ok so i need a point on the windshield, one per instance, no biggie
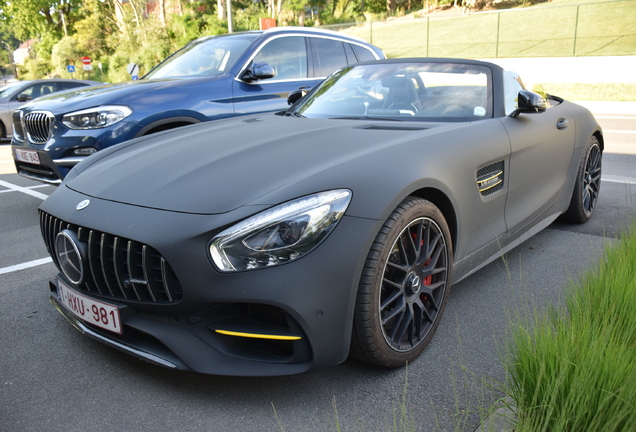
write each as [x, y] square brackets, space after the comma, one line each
[10, 88]
[207, 57]
[404, 91]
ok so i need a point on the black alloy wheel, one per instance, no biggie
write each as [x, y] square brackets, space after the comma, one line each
[405, 285]
[587, 186]
[591, 179]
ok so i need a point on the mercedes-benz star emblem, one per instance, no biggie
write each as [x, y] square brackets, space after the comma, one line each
[71, 255]
[82, 205]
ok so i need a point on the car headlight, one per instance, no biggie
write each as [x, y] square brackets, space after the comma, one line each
[95, 118]
[281, 234]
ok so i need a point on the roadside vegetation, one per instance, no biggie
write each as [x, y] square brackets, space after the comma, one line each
[614, 92]
[115, 33]
[555, 29]
[573, 368]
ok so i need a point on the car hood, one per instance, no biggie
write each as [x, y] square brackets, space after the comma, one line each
[131, 93]
[217, 167]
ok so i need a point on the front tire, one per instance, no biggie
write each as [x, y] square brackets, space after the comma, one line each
[404, 285]
[587, 186]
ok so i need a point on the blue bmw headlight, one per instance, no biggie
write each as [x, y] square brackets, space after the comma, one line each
[281, 234]
[96, 118]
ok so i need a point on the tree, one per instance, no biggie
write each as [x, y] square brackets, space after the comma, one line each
[8, 44]
[96, 31]
[30, 19]
[64, 53]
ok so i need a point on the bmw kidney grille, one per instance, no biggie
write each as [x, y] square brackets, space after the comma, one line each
[38, 126]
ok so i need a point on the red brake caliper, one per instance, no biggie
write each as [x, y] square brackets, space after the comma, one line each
[428, 279]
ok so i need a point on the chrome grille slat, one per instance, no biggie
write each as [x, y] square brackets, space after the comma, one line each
[91, 259]
[119, 275]
[129, 266]
[144, 265]
[103, 258]
[164, 278]
[38, 126]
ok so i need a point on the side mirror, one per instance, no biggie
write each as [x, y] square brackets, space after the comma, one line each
[529, 102]
[23, 97]
[296, 95]
[258, 71]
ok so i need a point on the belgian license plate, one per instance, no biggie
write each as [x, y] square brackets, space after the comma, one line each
[29, 156]
[92, 311]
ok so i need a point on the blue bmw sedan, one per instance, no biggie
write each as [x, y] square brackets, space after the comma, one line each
[210, 78]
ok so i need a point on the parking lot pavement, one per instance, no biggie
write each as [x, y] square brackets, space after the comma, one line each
[6, 161]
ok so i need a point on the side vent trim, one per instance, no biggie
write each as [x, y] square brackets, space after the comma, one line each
[490, 179]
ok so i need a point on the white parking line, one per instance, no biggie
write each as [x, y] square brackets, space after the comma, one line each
[26, 265]
[30, 187]
[23, 190]
[618, 179]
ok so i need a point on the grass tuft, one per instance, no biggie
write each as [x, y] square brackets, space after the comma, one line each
[575, 368]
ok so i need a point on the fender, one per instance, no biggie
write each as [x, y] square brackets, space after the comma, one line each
[168, 120]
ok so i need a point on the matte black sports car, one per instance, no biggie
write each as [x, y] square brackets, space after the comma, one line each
[281, 243]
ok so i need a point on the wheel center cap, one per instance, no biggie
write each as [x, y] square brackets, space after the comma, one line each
[413, 283]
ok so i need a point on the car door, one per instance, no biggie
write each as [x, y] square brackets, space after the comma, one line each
[541, 151]
[287, 55]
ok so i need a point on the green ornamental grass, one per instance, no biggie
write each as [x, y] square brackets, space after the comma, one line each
[574, 368]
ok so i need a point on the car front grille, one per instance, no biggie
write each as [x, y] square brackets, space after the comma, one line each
[117, 267]
[38, 126]
[18, 132]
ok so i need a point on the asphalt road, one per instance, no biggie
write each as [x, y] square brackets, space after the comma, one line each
[54, 379]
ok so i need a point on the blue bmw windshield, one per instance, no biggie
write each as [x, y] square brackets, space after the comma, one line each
[404, 91]
[208, 57]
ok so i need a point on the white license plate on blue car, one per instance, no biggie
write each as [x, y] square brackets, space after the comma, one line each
[28, 156]
[98, 313]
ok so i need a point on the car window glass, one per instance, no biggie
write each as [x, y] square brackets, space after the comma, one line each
[329, 56]
[288, 57]
[38, 90]
[411, 92]
[351, 57]
[70, 85]
[363, 54]
[10, 88]
[512, 87]
[207, 57]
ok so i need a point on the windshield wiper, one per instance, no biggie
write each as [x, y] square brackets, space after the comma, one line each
[293, 114]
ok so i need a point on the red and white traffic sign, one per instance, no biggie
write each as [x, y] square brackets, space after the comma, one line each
[87, 63]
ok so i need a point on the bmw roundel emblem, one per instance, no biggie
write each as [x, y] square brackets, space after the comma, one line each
[82, 205]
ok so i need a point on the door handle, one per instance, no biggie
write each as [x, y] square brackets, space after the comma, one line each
[562, 123]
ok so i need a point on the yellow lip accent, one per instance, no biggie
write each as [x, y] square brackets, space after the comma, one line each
[257, 336]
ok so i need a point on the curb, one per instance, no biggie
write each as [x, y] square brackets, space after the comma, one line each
[502, 420]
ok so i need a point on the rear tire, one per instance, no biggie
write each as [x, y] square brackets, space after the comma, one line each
[587, 186]
[404, 285]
